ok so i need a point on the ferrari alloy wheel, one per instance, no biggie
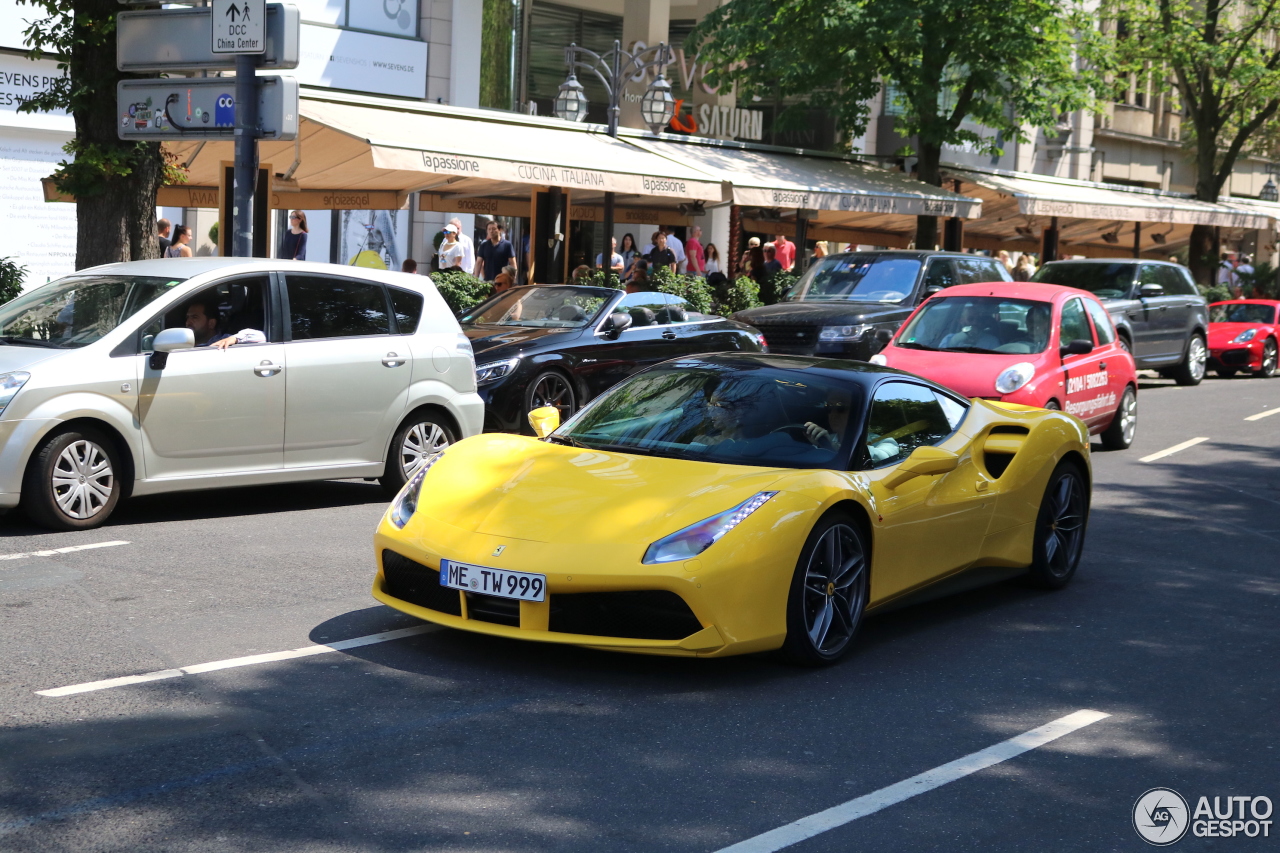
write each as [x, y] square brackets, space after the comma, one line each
[552, 388]
[828, 592]
[1060, 528]
[1124, 426]
[418, 439]
[1191, 371]
[1268, 368]
[72, 482]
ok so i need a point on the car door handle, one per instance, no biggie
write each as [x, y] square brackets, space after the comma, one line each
[268, 368]
[1102, 365]
[669, 335]
[393, 360]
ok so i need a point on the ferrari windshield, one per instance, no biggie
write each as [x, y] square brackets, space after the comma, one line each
[858, 277]
[1105, 281]
[742, 415]
[74, 312]
[1241, 312]
[979, 324]
[547, 307]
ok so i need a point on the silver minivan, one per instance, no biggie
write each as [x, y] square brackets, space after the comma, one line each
[197, 373]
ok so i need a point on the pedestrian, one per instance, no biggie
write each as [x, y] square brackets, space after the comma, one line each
[450, 250]
[162, 234]
[630, 251]
[1244, 276]
[697, 264]
[662, 255]
[712, 255]
[1226, 276]
[468, 245]
[615, 259]
[772, 266]
[819, 249]
[504, 280]
[494, 253]
[1024, 268]
[754, 266]
[653, 241]
[784, 251]
[745, 260]
[639, 277]
[676, 245]
[1003, 257]
[410, 266]
[181, 238]
[295, 239]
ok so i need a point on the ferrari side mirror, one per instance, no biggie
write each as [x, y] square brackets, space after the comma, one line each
[923, 462]
[544, 420]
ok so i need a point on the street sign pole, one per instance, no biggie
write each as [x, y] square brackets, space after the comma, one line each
[246, 155]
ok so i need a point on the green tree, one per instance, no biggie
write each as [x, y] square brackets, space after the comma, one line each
[1223, 59]
[11, 276]
[1005, 65]
[114, 182]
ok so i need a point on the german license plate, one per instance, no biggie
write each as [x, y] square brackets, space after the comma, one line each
[499, 582]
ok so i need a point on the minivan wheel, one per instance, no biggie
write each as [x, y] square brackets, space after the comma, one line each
[72, 481]
[418, 439]
[1191, 371]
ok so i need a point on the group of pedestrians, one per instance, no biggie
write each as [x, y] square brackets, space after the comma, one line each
[1234, 274]
[1022, 269]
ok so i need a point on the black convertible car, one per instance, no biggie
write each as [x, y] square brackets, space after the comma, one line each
[561, 345]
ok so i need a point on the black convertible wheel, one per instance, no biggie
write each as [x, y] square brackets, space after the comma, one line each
[1060, 528]
[551, 388]
[828, 592]
[1268, 368]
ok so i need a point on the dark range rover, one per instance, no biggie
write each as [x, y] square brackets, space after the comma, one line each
[1159, 314]
[839, 304]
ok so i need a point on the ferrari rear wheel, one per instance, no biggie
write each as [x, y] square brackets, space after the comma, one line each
[828, 592]
[1268, 368]
[1124, 426]
[1060, 528]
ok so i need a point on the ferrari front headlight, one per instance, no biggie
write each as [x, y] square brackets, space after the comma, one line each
[10, 385]
[1013, 378]
[1245, 337]
[696, 538]
[406, 503]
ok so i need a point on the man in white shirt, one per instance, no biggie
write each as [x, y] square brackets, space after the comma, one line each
[677, 247]
[1226, 271]
[468, 246]
[1243, 271]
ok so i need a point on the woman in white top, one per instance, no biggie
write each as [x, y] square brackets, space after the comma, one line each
[712, 258]
[451, 251]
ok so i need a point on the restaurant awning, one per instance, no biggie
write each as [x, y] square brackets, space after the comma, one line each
[354, 143]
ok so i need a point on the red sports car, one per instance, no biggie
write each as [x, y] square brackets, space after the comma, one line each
[1035, 344]
[1243, 335]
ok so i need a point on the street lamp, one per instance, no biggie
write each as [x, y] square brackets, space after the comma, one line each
[613, 69]
[1269, 191]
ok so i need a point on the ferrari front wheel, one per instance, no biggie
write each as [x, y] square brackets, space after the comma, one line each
[1060, 528]
[828, 592]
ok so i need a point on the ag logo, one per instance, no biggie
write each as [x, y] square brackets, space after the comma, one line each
[1160, 816]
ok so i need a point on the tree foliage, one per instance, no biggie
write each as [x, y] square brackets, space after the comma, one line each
[462, 291]
[947, 64]
[11, 278]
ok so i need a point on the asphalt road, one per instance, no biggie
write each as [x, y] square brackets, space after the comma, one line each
[448, 741]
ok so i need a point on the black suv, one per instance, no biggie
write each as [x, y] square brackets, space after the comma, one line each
[842, 301]
[1160, 315]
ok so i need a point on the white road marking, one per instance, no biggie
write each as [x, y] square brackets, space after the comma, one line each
[53, 552]
[816, 824]
[231, 663]
[1268, 413]
[1177, 448]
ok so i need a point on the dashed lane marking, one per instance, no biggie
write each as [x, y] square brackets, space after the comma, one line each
[1177, 448]
[816, 824]
[1268, 413]
[53, 552]
[232, 663]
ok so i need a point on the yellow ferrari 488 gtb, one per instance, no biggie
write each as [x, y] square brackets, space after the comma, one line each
[734, 503]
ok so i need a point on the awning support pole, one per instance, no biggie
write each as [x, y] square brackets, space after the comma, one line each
[1137, 239]
[1049, 244]
[953, 230]
[802, 236]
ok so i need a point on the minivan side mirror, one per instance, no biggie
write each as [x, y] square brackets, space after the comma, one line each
[172, 339]
[1150, 291]
[1077, 347]
[618, 322]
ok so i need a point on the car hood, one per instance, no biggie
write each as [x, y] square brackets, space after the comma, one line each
[518, 338]
[972, 374]
[522, 488]
[1224, 333]
[16, 357]
[821, 313]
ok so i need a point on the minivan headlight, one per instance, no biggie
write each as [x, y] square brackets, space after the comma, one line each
[495, 370]
[10, 384]
[843, 333]
[696, 538]
[1013, 378]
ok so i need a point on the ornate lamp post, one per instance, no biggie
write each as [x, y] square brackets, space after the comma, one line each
[613, 69]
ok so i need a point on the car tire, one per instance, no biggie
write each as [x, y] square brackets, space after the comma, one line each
[829, 592]
[1060, 528]
[73, 480]
[1053, 406]
[1124, 426]
[1225, 372]
[1192, 369]
[1124, 344]
[1269, 356]
[419, 438]
[551, 388]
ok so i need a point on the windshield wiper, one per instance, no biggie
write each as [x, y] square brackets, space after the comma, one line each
[914, 345]
[27, 342]
[971, 349]
[568, 439]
